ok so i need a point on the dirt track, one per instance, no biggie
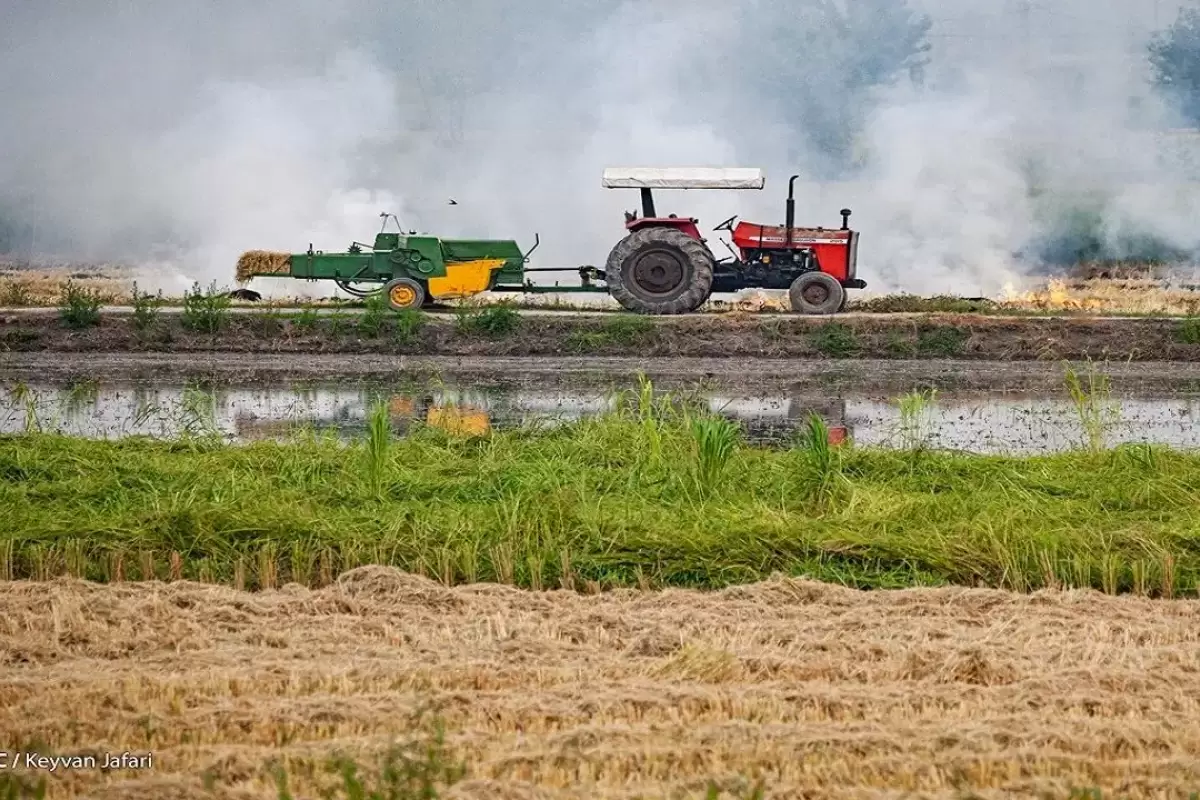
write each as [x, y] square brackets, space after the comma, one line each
[789, 377]
[822, 691]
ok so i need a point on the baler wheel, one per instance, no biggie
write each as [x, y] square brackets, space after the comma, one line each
[660, 271]
[404, 293]
[816, 293]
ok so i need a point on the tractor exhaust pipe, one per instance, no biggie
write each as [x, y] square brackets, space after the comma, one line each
[845, 219]
[790, 217]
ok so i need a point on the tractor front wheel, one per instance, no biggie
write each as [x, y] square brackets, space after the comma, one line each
[404, 293]
[817, 293]
[660, 271]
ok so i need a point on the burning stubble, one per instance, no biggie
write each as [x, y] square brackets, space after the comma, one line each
[217, 130]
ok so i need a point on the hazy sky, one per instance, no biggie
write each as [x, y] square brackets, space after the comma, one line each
[179, 134]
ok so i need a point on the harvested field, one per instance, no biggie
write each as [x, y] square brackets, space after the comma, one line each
[30, 288]
[816, 690]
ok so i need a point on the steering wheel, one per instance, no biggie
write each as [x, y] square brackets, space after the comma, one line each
[726, 225]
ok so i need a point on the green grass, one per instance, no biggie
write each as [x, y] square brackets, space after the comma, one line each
[835, 340]
[205, 311]
[910, 303]
[372, 321]
[79, 307]
[654, 493]
[1188, 331]
[943, 341]
[145, 309]
[623, 330]
[494, 322]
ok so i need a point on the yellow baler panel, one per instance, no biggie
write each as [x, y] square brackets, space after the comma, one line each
[464, 278]
[464, 421]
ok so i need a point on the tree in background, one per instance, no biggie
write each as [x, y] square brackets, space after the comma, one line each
[822, 64]
[1175, 62]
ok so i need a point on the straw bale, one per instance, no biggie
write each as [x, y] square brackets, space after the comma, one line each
[262, 262]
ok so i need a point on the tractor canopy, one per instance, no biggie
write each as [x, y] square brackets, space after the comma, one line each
[683, 178]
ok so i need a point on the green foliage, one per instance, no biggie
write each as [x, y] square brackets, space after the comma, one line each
[306, 320]
[79, 307]
[145, 308]
[205, 311]
[715, 441]
[339, 324]
[1097, 413]
[1188, 331]
[494, 322]
[378, 445]
[900, 346]
[621, 330]
[823, 480]
[373, 319]
[943, 341]
[835, 340]
[911, 303]
[409, 323]
[915, 423]
[1175, 63]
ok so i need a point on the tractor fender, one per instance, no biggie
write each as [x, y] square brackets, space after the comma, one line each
[685, 225]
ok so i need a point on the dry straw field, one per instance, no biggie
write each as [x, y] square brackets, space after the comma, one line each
[815, 690]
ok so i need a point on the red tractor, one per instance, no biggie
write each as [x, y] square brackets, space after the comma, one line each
[664, 265]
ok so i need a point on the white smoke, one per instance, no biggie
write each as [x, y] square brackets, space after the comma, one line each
[177, 136]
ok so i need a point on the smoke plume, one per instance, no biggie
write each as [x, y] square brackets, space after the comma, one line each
[175, 136]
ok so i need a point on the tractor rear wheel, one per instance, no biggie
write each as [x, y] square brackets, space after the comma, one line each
[404, 293]
[816, 293]
[660, 271]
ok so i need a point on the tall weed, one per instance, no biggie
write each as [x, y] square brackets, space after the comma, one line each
[79, 307]
[916, 424]
[822, 479]
[378, 445]
[715, 440]
[205, 311]
[1094, 407]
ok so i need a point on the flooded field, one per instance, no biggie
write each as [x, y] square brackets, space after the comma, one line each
[980, 422]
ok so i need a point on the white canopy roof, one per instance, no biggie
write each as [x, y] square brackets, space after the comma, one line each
[683, 178]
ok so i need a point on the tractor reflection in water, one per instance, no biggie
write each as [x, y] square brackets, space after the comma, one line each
[458, 419]
[770, 421]
[453, 418]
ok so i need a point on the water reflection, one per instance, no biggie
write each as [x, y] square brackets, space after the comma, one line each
[987, 425]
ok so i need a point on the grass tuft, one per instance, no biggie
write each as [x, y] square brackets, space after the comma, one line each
[145, 309]
[205, 311]
[79, 307]
[835, 340]
[495, 321]
[943, 341]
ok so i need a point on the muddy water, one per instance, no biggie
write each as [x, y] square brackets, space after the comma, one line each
[977, 422]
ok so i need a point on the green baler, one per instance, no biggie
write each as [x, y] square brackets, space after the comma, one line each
[411, 270]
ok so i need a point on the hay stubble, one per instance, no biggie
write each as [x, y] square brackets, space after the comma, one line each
[820, 690]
